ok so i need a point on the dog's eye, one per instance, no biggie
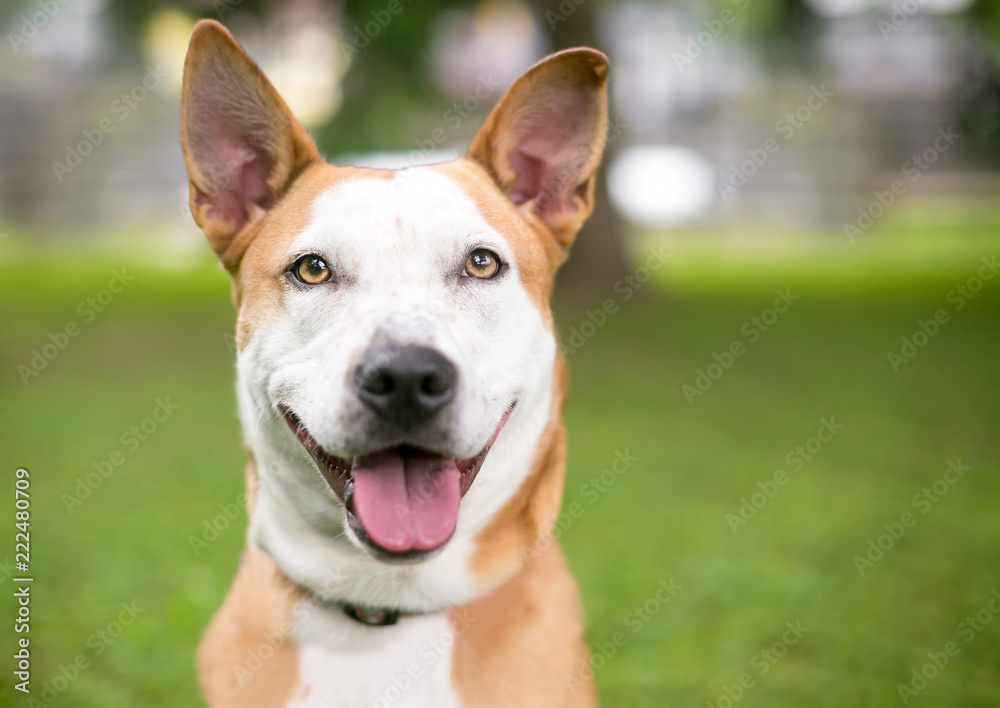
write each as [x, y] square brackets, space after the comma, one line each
[482, 264]
[311, 270]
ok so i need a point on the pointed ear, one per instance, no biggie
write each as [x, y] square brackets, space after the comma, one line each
[543, 141]
[242, 146]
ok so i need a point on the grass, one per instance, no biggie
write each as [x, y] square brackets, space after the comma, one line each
[664, 519]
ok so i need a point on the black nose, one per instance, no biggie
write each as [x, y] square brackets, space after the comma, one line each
[406, 385]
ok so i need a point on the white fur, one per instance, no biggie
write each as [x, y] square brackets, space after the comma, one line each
[345, 664]
[398, 247]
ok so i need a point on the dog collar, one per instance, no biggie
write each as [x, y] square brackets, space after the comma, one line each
[365, 614]
[372, 616]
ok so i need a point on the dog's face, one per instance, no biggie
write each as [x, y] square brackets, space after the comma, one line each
[404, 341]
[393, 326]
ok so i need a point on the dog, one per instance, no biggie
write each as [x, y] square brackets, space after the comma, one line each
[400, 390]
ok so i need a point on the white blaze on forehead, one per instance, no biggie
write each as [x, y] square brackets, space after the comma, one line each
[397, 247]
[399, 231]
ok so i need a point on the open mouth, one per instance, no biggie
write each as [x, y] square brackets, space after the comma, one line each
[403, 501]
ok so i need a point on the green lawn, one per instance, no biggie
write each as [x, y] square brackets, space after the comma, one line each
[665, 521]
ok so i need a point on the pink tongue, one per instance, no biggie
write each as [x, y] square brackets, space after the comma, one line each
[407, 504]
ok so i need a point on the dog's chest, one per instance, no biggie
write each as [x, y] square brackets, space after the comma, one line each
[345, 663]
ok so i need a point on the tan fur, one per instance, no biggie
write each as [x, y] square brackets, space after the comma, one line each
[522, 645]
[255, 619]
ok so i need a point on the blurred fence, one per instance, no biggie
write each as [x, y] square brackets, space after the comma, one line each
[856, 103]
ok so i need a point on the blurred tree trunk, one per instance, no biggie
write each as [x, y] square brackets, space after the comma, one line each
[598, 258]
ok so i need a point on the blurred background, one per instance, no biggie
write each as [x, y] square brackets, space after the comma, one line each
[790, 275]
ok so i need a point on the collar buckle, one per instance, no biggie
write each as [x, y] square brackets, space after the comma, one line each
[372, 616]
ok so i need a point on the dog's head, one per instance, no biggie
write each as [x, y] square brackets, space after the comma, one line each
[393, 326]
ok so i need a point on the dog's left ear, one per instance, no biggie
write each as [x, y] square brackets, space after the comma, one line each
[242, 146]
[543, 141]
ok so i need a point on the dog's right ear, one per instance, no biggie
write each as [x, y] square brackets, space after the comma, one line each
[242, 145]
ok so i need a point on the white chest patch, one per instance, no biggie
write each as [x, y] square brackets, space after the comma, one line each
[346, 664]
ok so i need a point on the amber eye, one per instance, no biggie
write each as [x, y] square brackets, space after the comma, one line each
[312, 270]
[482, 264]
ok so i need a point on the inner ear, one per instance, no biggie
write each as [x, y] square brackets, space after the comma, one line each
[543, 141]
[548, 153]
[235, 170]
[242, 146]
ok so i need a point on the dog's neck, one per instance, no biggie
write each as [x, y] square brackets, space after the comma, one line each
[363, 614]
